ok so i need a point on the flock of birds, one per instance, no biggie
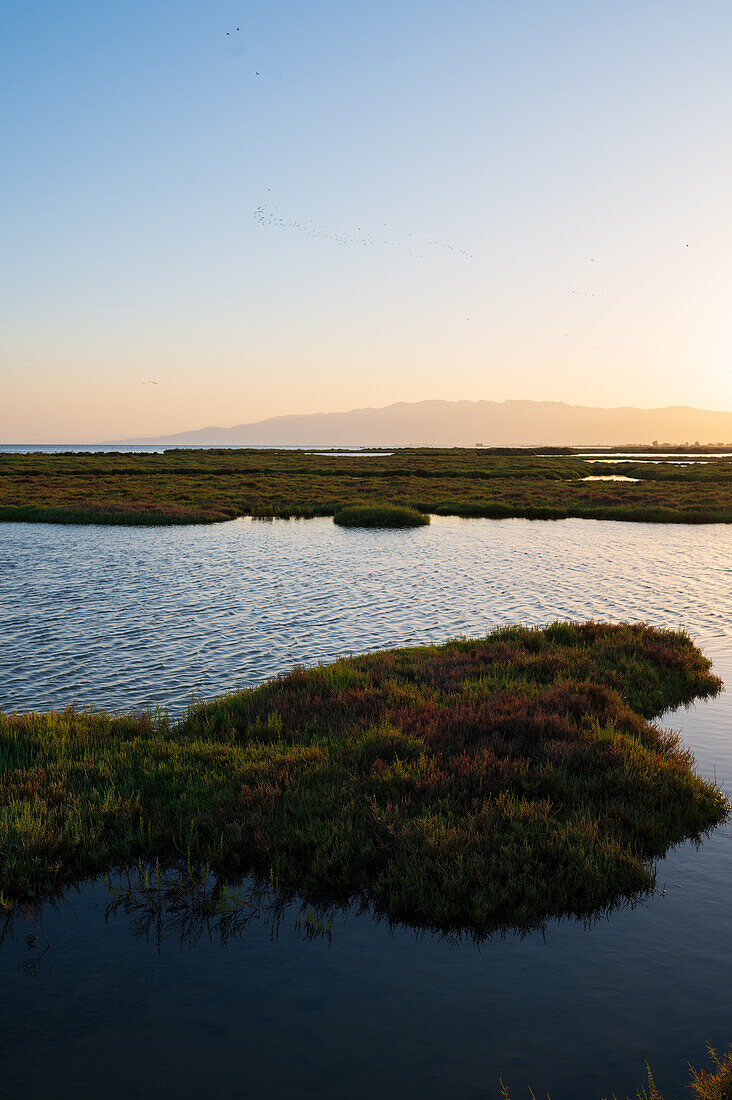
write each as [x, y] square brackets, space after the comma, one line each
[270, 217]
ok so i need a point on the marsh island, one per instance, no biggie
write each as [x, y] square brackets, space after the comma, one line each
[478, 784]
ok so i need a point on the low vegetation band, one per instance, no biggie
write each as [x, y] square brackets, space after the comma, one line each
[184, 486]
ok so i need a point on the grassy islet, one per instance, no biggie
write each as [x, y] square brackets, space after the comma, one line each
[475, 785]
[380, 515]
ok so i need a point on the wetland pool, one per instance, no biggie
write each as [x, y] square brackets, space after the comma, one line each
[101, 999]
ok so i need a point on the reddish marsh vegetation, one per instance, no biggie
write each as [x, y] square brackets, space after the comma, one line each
[187, 486]
[477, 785]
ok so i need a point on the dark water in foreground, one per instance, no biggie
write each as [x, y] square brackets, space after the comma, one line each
[95, 1006]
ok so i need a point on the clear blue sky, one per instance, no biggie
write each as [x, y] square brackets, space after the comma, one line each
[478, 200]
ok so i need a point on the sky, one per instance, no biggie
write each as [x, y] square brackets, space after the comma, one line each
[213, 212]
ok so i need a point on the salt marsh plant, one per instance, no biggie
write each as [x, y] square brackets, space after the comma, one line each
[714, 1083]
[190, 486]
[475, 785]
[380, 515]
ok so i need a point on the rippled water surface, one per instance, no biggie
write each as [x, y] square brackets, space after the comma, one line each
[119, 617]
[122, 617]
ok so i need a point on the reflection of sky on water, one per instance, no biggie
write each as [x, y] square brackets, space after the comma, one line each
[122, 617]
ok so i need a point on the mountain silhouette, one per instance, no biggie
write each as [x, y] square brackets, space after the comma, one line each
[467, 423]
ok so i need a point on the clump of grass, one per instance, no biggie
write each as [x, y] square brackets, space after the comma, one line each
[475, 785]
[716, 1083]
[713, 1084]
[380, 515]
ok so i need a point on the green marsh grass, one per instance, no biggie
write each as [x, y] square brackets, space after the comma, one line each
[472, 786]
[380, 515]
[208, 486]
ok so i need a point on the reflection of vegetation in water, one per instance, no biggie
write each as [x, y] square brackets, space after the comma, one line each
[190, 904]
[315, 925]
[36, 943]
[186, 904]
[476, 785]
[209, 485]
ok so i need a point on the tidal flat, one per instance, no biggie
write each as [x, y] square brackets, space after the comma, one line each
[109, 618]
[207, 486]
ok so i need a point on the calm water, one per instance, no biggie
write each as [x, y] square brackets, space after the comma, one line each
[159, 448]
[609, 477]
[120, 617]
[599, 456]
[78, 448]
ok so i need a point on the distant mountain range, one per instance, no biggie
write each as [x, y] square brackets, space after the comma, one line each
[467, 423]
